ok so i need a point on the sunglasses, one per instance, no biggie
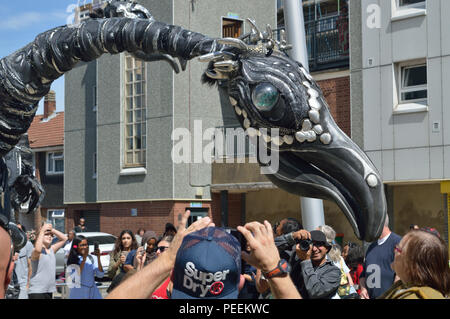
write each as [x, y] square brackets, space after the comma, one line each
[319, 243]
[161, 248]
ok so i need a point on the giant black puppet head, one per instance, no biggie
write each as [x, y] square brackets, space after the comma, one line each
[268, 90]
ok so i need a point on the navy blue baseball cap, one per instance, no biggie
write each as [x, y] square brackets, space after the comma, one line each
[207, 266]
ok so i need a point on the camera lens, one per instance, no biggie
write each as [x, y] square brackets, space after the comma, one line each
[304, 244]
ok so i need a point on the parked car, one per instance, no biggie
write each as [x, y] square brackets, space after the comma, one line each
[106, 245]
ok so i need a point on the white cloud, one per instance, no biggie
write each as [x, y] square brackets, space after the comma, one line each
[23, 20]
[27, 19]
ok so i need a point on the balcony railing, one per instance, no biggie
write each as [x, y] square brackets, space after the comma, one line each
[327, 41]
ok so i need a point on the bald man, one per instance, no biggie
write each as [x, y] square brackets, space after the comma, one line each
[6, 263]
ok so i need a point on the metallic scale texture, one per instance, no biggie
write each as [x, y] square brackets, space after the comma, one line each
[268, 90]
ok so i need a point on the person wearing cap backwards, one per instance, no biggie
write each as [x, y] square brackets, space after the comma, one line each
[313, 274]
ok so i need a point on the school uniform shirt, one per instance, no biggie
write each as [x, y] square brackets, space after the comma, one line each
[88, 289]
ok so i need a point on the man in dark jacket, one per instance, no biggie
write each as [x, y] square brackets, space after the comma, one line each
[284, 233]
[314, 276]
[81, 228]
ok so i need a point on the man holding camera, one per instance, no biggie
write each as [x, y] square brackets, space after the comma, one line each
[314, 276]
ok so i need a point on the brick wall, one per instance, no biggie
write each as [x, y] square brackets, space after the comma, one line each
[115, 217]
[337, 95]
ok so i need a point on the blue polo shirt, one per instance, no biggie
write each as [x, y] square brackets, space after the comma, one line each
[377, 271]
[130, 258]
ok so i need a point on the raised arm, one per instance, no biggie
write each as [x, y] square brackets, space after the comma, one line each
[144, 282]
[36, 254]
[62, 240]
[264, 255]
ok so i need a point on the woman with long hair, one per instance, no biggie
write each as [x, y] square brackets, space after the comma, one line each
[421, 263]
[125, 243]
[163, 291]
[86, 267]
[353, 255]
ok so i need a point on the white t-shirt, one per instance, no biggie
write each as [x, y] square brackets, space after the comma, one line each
[346, 270]
[344, 265]
[67, 251]
[383, 240]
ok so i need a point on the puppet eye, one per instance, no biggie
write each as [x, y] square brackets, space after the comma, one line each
[265, 96]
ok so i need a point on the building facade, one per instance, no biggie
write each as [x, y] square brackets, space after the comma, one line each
[120, 118]
[46, 136]
[240, 192]
[400, 93]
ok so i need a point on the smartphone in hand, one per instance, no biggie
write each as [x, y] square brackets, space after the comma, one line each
[96, 247]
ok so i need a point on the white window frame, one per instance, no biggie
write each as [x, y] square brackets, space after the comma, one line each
[53, 214]
[408, 11]
[136, 166]
[84, 14]
[409, 106]
[222, 18]
[47, 162]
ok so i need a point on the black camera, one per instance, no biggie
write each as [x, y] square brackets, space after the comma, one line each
[304, 244]
[238, 235]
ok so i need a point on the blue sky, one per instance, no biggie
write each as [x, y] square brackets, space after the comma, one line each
[22, 20]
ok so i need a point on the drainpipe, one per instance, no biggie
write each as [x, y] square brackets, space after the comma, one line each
[312, 208]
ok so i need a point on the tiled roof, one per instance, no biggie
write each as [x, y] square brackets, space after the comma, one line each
[48, 132]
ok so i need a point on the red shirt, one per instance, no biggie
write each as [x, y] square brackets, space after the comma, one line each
[356, 273]
[161, 291]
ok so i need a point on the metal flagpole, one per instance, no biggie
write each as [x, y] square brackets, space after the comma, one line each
[312, 208]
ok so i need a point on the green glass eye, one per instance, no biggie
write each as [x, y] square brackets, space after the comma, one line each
[265, 96]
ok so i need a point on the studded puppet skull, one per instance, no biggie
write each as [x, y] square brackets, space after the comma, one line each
[268, 91]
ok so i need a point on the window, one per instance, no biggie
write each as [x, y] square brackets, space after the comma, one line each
[57, 219]
[411, 87]
[84, 15]
[411, 3]
[94, 96]
[402, 9]
[55, 163]
[135, 123]
[231, 28]
[94, 165]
